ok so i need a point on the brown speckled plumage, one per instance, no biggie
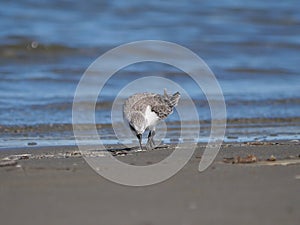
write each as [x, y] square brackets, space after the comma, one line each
[159, 107]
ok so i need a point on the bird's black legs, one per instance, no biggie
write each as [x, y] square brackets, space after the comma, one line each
[150, 143]
[139, 136]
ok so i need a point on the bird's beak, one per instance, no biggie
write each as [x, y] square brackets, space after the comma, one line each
[139, 136]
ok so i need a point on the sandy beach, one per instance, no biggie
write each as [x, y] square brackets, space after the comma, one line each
[67, 68]
[54, 185]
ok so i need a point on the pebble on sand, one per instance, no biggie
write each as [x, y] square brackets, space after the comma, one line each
[238, 159]
[272, 158]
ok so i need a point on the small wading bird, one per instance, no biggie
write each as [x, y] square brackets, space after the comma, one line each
[143, 111]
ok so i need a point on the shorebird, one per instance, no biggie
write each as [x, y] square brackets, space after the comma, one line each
[143, 111]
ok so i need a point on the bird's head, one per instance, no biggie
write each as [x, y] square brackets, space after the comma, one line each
[137, 124]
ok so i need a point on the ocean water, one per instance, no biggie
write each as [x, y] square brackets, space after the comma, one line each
[252, 47]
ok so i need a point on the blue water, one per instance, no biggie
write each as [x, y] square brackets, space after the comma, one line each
[251, 46]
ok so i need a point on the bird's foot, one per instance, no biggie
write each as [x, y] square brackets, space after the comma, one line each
[150, 145]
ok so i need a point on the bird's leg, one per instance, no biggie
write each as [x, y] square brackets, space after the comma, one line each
[139, 136]
[152, 138]
[150, 143]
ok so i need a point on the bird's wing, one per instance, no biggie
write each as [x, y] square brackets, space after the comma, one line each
[132, 100]
[160, 106]
[162, 111]
[136, 102]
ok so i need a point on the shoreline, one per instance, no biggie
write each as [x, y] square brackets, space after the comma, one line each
[237, 130]
[54, 185]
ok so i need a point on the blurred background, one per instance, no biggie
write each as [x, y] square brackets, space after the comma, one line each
[251, 46]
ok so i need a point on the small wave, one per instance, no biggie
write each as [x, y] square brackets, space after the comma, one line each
[25, 43]
[278, 71]
[284, 101]
[171, 124]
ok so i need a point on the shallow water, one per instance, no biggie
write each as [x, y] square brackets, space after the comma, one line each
[252, 48]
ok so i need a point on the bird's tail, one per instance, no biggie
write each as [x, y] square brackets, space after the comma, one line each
[172, 99]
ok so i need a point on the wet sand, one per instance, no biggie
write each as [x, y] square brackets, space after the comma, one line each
[54, 185]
